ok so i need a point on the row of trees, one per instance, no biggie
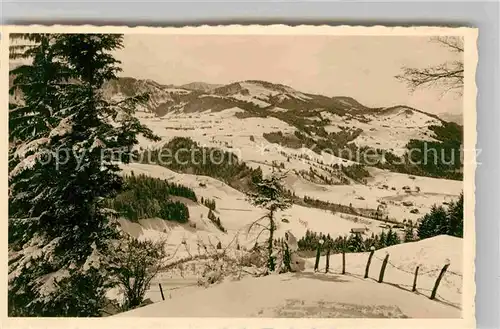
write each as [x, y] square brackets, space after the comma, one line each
[210, 204]
[147, 197]
[355, 171]
[354, 242]
[437, 222]
[216, 221]
[182, 154]
[440, 220]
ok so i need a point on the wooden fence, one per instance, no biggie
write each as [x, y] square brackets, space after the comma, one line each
[440, 271]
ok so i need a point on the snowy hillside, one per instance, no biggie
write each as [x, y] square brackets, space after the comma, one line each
[262, 94]
[398, 193]
[221, 119]
[160, 96]
[200, 86]
[381, 128]
[235, 212]
[310, 294]
[392, 129]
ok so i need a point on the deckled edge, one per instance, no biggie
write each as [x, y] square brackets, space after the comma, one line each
[470, 139]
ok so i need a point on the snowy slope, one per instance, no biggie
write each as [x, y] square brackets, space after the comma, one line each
[200, 86]
[297, 296]
[387, 189]
[390, 129]
[387, 128]
[311, 294]
[430, 254]
[260, 93]
[243, 137]
[235, 212]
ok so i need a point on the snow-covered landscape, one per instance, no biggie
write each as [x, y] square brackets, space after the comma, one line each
[309, 294]
[396, 193]
[241, 198]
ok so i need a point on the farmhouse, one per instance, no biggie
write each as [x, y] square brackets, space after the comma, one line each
[358, 230]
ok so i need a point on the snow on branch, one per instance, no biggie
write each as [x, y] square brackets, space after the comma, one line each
[27, 163]
[30, 147]
[63, 128]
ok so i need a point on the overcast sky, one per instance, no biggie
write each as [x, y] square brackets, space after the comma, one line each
[357, 66]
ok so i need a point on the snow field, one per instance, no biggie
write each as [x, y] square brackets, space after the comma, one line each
[344, 296]
[429, 254]
[313, 295]
[309, 294]
[224, 130]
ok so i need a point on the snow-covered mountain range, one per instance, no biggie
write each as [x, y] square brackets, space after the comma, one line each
[271, 125]
[388, 128]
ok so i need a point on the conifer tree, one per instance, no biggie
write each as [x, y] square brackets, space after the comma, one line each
[382, 242]
[61, 174]
[443, 221]
[355, 242]
[409, 232]
[270, 195]
[392, 238]
[433, 223]
[456, 217]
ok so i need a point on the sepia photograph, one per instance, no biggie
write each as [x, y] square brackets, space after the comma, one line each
[240, 172]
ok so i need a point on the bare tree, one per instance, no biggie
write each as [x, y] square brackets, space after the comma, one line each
[134, 265]
[448, 75]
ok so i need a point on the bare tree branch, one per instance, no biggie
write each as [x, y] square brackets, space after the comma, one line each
[454, 43]
[449, 75]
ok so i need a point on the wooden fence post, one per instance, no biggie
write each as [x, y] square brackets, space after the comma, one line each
[343, 261]
[415, 279]
[327, 260]
[438, 280]
[382, 269]
[161, 290]
[343, 254]
[369, 261]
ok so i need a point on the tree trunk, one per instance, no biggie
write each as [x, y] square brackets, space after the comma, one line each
[318, 255]
[270, 261]
[327, 260]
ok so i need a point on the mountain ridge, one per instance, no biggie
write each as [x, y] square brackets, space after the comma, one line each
[262, 95]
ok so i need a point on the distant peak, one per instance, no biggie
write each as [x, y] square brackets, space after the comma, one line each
[200, 86]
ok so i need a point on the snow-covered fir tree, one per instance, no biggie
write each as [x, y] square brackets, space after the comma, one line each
[61, 170]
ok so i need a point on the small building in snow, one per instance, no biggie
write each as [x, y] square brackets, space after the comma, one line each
[358, 230]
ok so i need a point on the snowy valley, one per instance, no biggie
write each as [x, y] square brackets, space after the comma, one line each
[242, 118]
[134, 197]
